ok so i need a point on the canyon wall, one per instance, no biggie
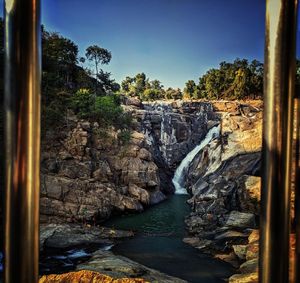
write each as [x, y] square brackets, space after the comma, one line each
[88, 174]
[224, 184]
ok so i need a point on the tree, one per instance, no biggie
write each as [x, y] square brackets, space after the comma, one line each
[106, 83]
[189, 89]
[99, 56]
[156, 84]
[126, 84]
[241, 89]
[151, 94]
[237, 80]
[172, 93]
[140, 84]
[59, 64]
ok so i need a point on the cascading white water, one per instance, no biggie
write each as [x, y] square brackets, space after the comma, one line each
[178, 179]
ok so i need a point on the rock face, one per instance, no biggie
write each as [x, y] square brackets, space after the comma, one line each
[177, 127]
[222, 179]
[172, 129]
[87, 174]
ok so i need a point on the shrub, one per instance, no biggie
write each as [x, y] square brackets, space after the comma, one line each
[107, 110]
[151, 94]
[82, 102]
[124, 136]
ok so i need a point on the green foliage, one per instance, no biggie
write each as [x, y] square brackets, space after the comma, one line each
[59, 57]
[237, 80]
[61, 74]
[124, 136]
[172, 93]
[107, 110]
[190, 90]
[156, 84]
[98, 55]
[106, 84]
[126, 84]
[54, 115]
[82, 102]
[141, 87]
[140, 84]
[151, 94]
[103, 82]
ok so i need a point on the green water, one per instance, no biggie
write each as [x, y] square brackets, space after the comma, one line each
[158, 243]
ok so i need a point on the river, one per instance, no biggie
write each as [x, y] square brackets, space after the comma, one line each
[158, 243]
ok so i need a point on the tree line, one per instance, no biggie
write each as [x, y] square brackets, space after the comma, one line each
[140, 86]
[237, 80]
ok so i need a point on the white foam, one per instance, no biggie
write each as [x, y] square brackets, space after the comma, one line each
[179, 176]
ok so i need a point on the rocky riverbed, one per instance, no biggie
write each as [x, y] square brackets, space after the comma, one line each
[67, 247]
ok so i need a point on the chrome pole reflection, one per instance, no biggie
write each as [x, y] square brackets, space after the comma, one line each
[22, 131]
[280, 58]
[297, 185]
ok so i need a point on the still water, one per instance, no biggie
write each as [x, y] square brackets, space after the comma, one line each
[158, 243]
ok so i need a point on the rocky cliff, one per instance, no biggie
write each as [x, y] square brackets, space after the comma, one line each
[87, 174]
[224, 181]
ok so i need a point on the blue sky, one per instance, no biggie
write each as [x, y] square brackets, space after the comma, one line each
[169, 40]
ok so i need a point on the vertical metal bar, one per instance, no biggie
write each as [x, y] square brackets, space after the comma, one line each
[22, 112]
[277, 139]
[297, 186]
[296, 168]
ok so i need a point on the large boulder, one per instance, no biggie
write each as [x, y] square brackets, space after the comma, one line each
[240, 220]
[119, 267]
[62, 236]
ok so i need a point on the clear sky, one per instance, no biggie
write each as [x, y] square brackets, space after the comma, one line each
[169, 40]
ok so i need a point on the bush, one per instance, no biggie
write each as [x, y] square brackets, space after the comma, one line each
[151, 94]
[82, 103]
[108, 110]
[124, 136]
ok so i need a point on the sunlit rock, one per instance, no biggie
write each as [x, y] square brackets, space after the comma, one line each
[86, 276]
[240, 220]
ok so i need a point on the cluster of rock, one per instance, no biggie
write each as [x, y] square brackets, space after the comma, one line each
[248, 255]
[119, 267]
[87, 174]
[172, 129]
[224, 184]
[102, 264]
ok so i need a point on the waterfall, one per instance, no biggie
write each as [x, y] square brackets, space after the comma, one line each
[179, 176]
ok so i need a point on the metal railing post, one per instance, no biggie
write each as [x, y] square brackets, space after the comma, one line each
[22, 139]
[297, 188]
[279, 80]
